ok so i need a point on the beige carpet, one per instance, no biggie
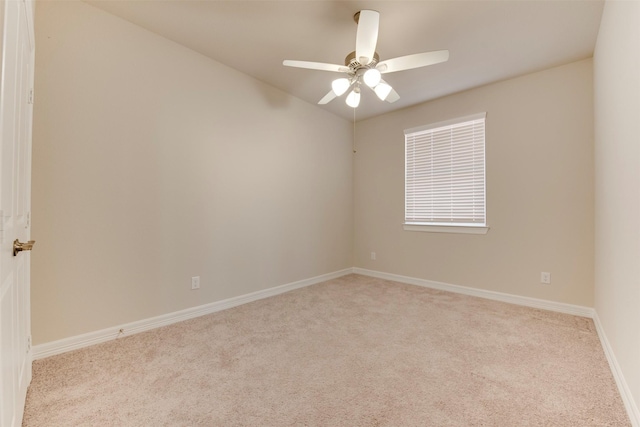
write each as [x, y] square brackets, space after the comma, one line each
[355, 351]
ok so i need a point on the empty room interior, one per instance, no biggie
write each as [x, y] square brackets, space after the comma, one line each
[215, 247]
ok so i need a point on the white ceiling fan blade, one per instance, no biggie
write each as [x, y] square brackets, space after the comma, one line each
[327, 98]
[413, 61]
[367, 36]
[322, 66]
[386, 93]
[393, 96]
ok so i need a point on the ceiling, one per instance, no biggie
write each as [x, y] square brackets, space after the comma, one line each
[488, 40]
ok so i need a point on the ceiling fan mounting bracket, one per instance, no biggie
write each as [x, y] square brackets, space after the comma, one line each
[356, 16]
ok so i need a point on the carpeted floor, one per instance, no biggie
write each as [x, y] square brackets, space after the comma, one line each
[354, 351]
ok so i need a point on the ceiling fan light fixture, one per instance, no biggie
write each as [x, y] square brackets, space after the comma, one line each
[382, 90]
[372, 77]
[340, 86]
[363, 66]
[353, 99]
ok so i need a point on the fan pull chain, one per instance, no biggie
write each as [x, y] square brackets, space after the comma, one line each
[354, 131]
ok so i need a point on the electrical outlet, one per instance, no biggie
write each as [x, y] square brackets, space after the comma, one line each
[545, 277]
[195, 282]
[373, 256]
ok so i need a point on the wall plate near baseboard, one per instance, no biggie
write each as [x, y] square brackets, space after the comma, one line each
[576, 310]
[560, 307]
[73, 343]
[41, 351]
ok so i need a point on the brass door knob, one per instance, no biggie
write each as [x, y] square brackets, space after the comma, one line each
[17, 246]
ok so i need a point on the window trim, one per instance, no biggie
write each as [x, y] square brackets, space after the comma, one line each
[458, 229]
[435, 227]
[449, 122]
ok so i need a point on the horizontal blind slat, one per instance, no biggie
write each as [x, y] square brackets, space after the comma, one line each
[445, 174]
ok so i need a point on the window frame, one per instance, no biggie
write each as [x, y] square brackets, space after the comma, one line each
[445, 227]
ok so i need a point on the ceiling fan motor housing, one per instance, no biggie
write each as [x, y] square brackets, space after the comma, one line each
[354, 65]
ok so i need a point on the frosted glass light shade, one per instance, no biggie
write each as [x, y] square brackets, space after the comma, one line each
[371, 77]
[340, 86]
[353, 99]
[382, 90]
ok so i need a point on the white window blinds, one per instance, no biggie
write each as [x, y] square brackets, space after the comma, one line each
[445, 173]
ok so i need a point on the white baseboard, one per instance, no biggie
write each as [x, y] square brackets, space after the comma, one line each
[73, 343]
[576, 310]
[623, 388]
[41, 351]
[625, 393]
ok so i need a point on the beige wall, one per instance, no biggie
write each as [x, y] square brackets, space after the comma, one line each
[539, 156]
[617, 185]
[152, 164]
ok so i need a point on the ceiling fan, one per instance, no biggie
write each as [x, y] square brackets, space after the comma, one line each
[363, 66]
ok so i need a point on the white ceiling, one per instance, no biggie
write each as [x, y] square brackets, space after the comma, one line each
[487, 40]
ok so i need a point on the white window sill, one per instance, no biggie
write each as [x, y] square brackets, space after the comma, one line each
[462, 229]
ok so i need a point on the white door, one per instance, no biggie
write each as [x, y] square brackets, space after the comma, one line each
[16, 95]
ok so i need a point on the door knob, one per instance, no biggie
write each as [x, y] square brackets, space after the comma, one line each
[17, 246]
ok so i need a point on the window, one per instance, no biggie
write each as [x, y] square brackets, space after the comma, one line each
[445, 176]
